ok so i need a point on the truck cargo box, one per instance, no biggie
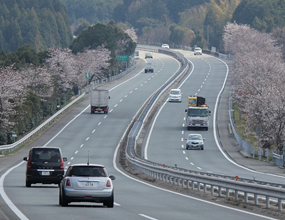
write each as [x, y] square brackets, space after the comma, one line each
[99, 101]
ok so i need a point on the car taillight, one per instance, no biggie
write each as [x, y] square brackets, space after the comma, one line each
[29, 163]
[108, 184]
[68, 183]
[61, 164]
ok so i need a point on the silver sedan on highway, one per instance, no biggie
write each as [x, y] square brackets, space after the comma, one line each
[87, 183]
[195, 141]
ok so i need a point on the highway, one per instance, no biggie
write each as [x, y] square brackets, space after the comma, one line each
[206, 79]
[81, 134]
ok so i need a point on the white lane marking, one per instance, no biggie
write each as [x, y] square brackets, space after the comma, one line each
[182, 139]
[71, 158]
[148, 217]
[131, 92]
[87, 138]
[199, 168]
[81, 145]
[93, 131]
[111, 110]
[117, 204]
[76, 152]
[192, 164]
[186, 158]
[183, 152]
[105, 116]
[6, 198]
[121, 100]
[126, 96]
[115, 105]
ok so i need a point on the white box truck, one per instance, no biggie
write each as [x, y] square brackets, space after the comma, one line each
[99, 101]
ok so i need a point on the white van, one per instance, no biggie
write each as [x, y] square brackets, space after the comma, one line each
[175, 95]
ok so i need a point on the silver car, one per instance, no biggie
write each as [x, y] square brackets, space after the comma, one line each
[195, 141]
[87, 183]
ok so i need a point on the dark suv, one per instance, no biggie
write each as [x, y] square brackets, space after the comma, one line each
[44, 165]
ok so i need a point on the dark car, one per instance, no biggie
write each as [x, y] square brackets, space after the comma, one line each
[44, 165]
[87, 183]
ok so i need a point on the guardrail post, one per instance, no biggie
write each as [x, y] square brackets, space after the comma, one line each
[212, 190]
[220, 191]
[255, 199]
[205, 188]
[188, 184]
[246, 197]
[192, 185]
[183, 184]
[227, 193]
[198, 186]
[267, 202]
[280, 205]
[236, 195]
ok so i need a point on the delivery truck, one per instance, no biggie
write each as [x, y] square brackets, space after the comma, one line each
[99, 101]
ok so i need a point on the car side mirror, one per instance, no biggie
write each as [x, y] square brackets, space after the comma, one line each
[185, 110]
[112, 177]
[25, 159]
[64, 159]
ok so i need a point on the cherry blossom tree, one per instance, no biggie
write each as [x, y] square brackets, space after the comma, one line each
[258, 78]
[132, 33]
[39, 81]
[12, 94]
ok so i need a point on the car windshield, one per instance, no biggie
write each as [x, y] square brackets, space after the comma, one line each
[87, 171]
[195, 137]
[198, 112]
[174, 92]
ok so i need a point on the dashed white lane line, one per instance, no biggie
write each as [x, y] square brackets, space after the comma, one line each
[87, 138]
[148, 217]
[99, 123]
[93, 131]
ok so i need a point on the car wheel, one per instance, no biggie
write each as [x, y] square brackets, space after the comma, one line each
[62, 200]
[206, 129]
[202, 148]
[110, 202]
[28, 183]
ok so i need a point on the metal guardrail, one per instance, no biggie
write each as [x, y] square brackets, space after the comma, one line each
[184, 177]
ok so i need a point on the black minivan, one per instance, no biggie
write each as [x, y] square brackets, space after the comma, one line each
[44, 165]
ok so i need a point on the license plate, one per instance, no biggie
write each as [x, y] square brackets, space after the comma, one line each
[99, 109]
[45, 173]
[88, 184]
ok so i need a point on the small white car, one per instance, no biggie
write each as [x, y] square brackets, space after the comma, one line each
[194, 141]
[165, 46]
[197, 51]
[175, 95]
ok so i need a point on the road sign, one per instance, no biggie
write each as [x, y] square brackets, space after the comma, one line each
[87, 75]
[123, 58]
